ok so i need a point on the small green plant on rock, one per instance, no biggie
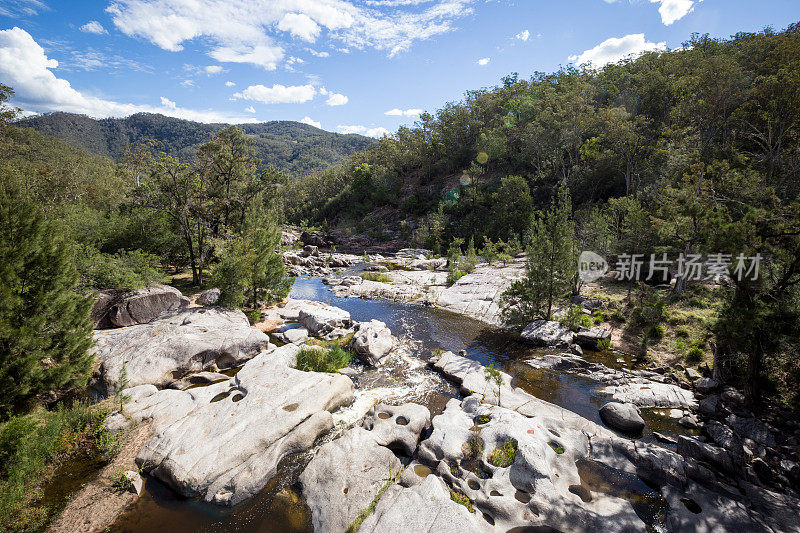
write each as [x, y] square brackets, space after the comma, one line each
[455, 469]
[312, 359]
[461, 499]
[493, 376]
[574, 318]
[120, 481]
[604, 345]
[504, 455]
[376, 276]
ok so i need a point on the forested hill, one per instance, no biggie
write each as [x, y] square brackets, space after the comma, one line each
[293, 147]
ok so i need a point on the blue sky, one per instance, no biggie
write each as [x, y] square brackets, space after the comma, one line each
[354, 66]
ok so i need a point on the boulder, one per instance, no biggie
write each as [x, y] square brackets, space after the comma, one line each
[623, 416]
[135, 481]
[209, 297]
[223, 442]
[373, 341]
[295, 335]
[347, 473]
[647, 393]
[690, 447]
[115, 308]
[201, 378]
[705, 385]
[309, 251]
[321, 319]
[168, 348]
[316, 238]
[692, 374]
[562, 361]
[590, 304]
[590, 338]
[548, 333]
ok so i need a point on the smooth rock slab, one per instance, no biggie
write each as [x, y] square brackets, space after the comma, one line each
[622, 416]
[373, 341]
[115, 308]
[224, 442]
[168, 348]
[645, 393]
[547, 333]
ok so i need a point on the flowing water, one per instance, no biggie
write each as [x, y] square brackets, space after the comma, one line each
[280, 508]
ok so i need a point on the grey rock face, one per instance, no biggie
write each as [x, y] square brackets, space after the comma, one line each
[170, 347]
[646, 393]
[115, 308]
[690, 447]
[705, 385]
[622, 416]
[373, 341]
[321, 319]
[296, 335]
[209, 297]
[547, 333]
[347, 473]
[135, 480]
[590, 338]
[224, 442]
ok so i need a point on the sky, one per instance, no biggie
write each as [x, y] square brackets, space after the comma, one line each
[350, 66]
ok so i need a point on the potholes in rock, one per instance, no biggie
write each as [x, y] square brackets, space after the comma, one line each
[344, 490]
[559, 449]
[422, 471]
[221, 396]
[384, 416]
[238, 397]
[691, 505]
[291, 407]
[474, 485]
[582, 492]
[488, 518]
[401, 421]
[482, 420]
[495, 493]
[534, 529]
[522, 496]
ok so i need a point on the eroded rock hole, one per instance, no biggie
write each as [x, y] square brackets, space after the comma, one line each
[291, 407]
[384, 416]
[582, 492]
[691, 505]
[522, 496]
[401, 421]
[474, 485]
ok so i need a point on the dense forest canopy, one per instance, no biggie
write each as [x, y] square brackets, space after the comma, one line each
[292, 147]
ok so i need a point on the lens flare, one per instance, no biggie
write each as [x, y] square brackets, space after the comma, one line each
[451, 196]
[465, 180]
[482, 158]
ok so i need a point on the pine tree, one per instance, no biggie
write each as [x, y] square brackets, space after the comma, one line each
[550, 268]
[45, 329]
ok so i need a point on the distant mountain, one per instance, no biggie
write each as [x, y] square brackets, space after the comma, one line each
[293, 147]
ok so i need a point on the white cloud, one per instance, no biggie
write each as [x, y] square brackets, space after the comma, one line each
[672, 10]
[403, 112]
[523, 36]
[93, 27]
[484, 61]
[317, 54]
[244, 31]
[25, 67]
[300, 25]
[335, 99]
[250, 109]
[616, 48]
[311, 122]
[363, 130]
[230, 84]
[278, 94]
[213, 70]
[22, 8]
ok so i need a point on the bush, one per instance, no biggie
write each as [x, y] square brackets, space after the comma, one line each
[312, 359]
[574, 318]
[31, 445]
[695, 354]
[454, 275]
[376, 276]
[462, 500]
[254, 315]
[120, 481]
[504, 455]
[122, 270]
[604, 345]
[657, 332]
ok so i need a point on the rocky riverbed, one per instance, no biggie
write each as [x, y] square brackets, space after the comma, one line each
[407, 437]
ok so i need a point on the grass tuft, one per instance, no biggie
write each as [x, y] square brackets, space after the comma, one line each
[504, 455]
[323, 360]
[376, 276]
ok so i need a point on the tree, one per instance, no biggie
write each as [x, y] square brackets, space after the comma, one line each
[512, 206]
[248, 261]
[551, 265]
[45, 329]
[7, 114]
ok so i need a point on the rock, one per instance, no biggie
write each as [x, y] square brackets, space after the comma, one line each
[224, 442]
[586, 302]
[295, 335]
[413, 253]
[347, 473]
[666, 439]
[135, 481]
[115, 308]
[316, 238]
[590, 338]
[709, 405]
[763, 471]
[653, 394]
[705, 385]
[373, 341]
[168, 348]
[209, 297]
[201, 378]
[321, 319]
[692, 374]
[690, 447]
[733, 396]
[558, 362]
[309, 251]
[689, 421]
[575, 349]
[622, 416]
[751, 428]
[547, 333]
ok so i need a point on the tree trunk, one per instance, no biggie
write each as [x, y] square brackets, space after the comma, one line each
[752, 388]
[680, 279]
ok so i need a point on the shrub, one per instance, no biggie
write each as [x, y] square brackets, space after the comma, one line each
[695, 354]
[574, 318]
[120, 481]
[598, 317]
[122, 270]
[253, 315]
[321, 360]
[682, 333]
[462, 500]
[504, 455]
[604, 345]
[454, 275]
[376, 276]
[657, 332]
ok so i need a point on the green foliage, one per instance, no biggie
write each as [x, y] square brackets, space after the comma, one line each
[31, 445]
[493, 376]
[376, 276]
[45, 329]
[695, 355]
[649, 310]
[574, 318]
[489, 251]
[656, 332]
[504, 455]
[120, 481]
[455, 470]
[253, 316]
[461, 499]
[454, 275]
[604, 345]
[122, 270]
[551, 268]
[313, 359]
